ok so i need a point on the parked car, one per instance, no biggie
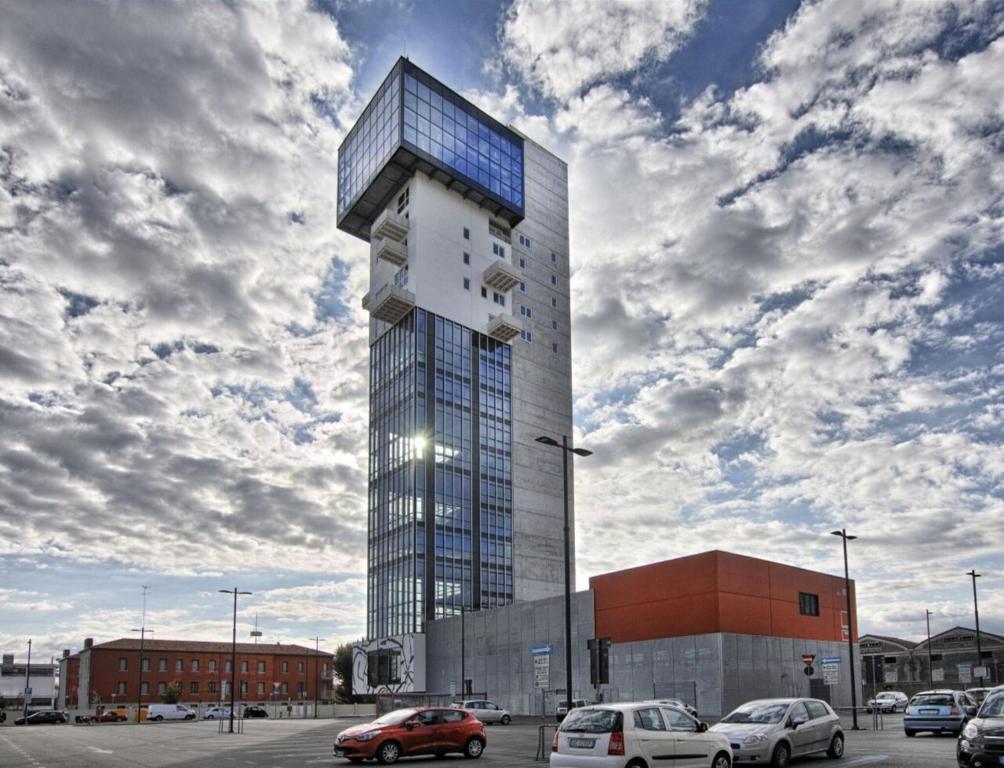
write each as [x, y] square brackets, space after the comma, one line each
[888, 701]
[255, 711]
[562, 709]
[107, 716]
[978, 694]
[217, 713]
[772, 731]
[158, 712]
[486, 711]
[41, 718]
[981, 742]
[942, 711]
[679, 704]
[415, 731]
[614, 735]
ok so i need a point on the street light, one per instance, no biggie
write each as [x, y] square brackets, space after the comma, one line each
[317, 643]
[27, 682]
[139, 691]
[930, 661]
[842, 533]
[976, 610]
[565, 449]
[233, 653]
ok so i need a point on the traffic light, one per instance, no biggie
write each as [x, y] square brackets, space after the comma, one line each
[594, 661]
[603, 667]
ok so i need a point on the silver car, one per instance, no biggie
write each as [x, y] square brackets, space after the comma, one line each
[487, 711]
[772, 731]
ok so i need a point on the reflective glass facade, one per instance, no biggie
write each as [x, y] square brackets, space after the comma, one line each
[441, 125]
[371, 141]
[415, 122]
[440, 485]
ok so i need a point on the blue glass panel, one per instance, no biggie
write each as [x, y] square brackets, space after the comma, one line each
[410, 101]
[424, 110]
[410, 118]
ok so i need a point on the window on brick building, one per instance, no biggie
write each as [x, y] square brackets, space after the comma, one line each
[261, 667]
[123, 663]
[195, 665]
[120, 687]
[145, 665]
[179, 665]
[194, 688]
[299, 667]
[212, 665]
[285, 666]
[808, 604]
[211, 687]
[260, 688]
[162, 665]
[244, 666]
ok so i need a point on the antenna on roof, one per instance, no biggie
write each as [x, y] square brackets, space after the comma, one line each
[254, 632]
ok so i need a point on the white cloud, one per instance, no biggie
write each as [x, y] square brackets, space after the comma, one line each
[562, 47]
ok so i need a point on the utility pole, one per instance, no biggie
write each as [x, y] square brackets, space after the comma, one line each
[27, 682]
[930, 662]
[976, 610]
[317, 643]
[142, 638]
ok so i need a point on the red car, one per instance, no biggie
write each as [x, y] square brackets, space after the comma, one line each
[419, 731]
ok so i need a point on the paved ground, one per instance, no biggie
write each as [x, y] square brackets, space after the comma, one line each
[307, 744]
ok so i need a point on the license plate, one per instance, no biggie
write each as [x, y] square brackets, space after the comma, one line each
[582, 743]
[339, 753]
[930, 712]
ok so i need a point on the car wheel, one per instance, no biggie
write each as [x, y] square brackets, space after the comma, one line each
[389, 752]
[721, 761]
[473, 748]
[836, 750]
[157, 718]
[911, 734]
[782, 756]
[505, 720]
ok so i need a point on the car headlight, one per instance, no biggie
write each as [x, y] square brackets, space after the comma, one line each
[755, 738]
[368, 736]
[971, 731]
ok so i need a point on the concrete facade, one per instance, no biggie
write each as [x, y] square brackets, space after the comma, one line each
[498, 659]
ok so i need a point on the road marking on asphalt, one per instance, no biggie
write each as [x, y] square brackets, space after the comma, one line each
[866, 760]
[23, 754]
[101, 751]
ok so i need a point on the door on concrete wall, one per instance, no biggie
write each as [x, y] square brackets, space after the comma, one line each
[818, 689]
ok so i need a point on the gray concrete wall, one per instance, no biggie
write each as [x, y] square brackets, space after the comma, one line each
[498, 658]
[541, 381]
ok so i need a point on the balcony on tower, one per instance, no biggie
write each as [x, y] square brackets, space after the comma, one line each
[390, 225]
[391, 251]
[390, 303]
[501, 275]
[504, 327]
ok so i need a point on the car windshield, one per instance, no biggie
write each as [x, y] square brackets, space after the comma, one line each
[886, 696]
[993, 706]
[396, 717]
[591, 721]
[932, 700]
[757, 712]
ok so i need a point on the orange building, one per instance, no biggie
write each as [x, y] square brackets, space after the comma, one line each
[111, 673]
[720, 592]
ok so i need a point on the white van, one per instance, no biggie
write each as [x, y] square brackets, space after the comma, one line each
[158, 712]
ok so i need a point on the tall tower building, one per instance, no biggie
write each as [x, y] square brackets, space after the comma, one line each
[467, 221]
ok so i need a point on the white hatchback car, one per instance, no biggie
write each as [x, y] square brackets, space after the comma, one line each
[486, 711]
[619, 735]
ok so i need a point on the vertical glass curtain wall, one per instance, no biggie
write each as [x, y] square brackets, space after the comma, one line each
[440, 443]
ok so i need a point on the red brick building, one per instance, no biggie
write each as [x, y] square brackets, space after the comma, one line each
[109, 673]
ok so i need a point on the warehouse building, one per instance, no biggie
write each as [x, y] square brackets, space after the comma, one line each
[714, 629]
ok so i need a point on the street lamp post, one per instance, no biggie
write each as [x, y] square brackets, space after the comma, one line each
[233, 654]
[463, 655]
[139, 690]
[27, 681]
[565, 449]
[976, 610]
[842, 533]
[930, 660]
[317, 644]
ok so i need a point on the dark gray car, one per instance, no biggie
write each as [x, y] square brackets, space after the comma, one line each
[772, 731]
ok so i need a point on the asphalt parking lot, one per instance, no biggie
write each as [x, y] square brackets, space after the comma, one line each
[288, 743]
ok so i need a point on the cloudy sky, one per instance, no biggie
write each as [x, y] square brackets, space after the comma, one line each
[787, 295]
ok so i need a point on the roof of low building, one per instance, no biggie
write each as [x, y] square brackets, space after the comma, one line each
[203, 646]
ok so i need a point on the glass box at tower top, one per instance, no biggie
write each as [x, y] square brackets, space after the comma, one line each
[414, 121]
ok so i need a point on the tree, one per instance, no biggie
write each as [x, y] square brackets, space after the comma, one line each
[172, 693]
[343, 671]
